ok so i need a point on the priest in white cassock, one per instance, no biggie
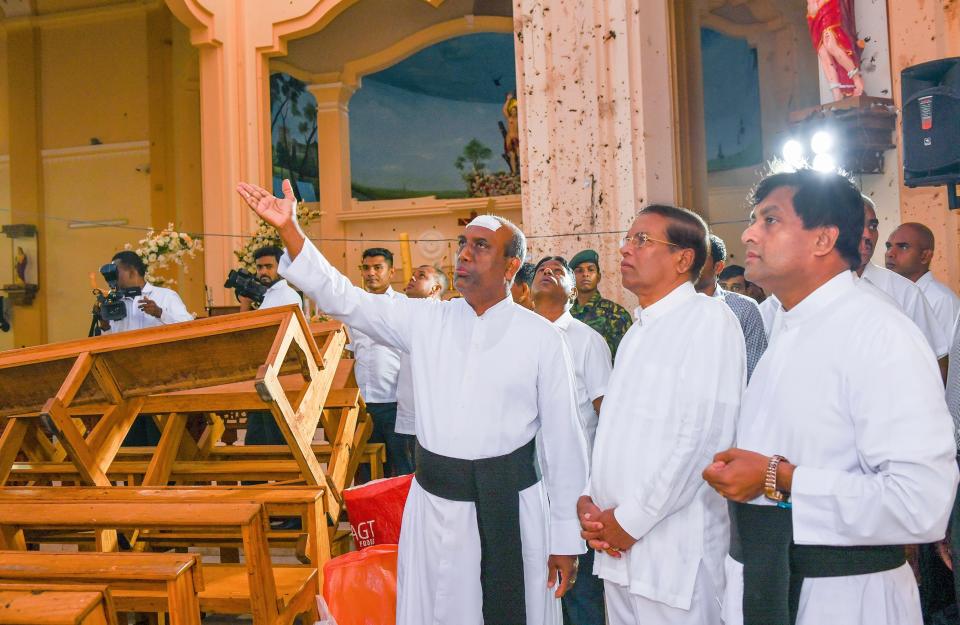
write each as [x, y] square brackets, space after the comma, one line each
[671, 404]
[484, 539]
[844, 447]
[553, 293]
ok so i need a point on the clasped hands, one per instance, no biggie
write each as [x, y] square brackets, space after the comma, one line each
[601, 529]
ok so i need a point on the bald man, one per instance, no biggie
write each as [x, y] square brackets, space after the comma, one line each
[909, 252]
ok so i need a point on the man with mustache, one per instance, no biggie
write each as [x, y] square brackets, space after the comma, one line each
[553, 294]
[484, 539]
[905, 293]
[671, 404]
[844, 450]
[262, 429]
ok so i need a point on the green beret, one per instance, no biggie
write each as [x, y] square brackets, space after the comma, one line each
[586, 256]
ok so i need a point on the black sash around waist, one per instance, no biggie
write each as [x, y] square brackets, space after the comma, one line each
[774, 567]
[493, 484]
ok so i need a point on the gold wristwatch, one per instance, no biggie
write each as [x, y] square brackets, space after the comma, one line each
[770, 481]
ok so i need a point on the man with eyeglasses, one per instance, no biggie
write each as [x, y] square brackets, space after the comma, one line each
[844, 450]
[909, 252]
[671, 404]
[377, 369]
[485, 540]
[553, 294]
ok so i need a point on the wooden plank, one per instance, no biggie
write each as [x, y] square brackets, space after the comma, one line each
[56, 604]
[76, 447]
[75, 379]
[263, 591]
[93, 566]
[121, 515]
[11, 441]
[158, 473]
[106, 381]
[107, 436]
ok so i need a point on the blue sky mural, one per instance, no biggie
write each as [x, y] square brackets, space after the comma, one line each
[410, 122]
[731, 101]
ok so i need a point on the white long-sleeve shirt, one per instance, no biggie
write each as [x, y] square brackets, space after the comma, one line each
[671, 404]
[378, 366]
[173, 310]
[943, 301]
[483, 386]
[592, 364]
[280, 294]
[912, 302]
[849, 392]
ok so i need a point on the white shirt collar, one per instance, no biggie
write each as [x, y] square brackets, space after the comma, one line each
[665, 304]
[821, 298]
[925, 278]
[563, 321]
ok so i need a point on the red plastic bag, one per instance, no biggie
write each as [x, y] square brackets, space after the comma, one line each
[375, 510]
[361, 587]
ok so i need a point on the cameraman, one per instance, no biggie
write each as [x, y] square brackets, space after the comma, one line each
[279, 292]
[261, 427]
[156, 306]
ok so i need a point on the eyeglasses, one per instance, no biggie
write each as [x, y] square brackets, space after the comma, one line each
[640, 239]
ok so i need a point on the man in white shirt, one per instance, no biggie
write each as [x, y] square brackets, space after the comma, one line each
[484, 540]
[905, 293]
[522, 284]
[844, 450]
[157, 306]
[671, 404]
[745, 308]
[262, 428]
[429, 283]
[909, 252]
[553, 295]
[377, 369]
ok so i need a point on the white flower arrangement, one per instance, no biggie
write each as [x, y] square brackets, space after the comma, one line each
[159, 249]
[268, 235]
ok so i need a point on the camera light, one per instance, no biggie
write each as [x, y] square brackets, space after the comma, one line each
[824, 163]
[821, 142]
[793, 153]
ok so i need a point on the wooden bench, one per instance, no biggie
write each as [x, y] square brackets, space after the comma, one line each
[177, 577]
[303, 502]
[273, 595]
[56, 604]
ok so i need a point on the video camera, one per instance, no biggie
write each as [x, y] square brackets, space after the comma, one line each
[111, 305]
[246, 285]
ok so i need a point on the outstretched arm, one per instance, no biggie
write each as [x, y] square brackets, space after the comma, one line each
[388, 320]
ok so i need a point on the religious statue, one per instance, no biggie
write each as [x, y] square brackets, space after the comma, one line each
[20, 263]
[834, 34]
[511, 135]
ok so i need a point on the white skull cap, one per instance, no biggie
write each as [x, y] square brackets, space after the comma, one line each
[486, 221]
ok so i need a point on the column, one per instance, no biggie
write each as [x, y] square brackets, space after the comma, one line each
[333, 146]
[26, 168]
[597, 122]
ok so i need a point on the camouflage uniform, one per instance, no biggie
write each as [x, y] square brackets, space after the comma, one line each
[608, 318]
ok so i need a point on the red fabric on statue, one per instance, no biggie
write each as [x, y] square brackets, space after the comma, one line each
[836, 16]
[360, 587]
[375, 510]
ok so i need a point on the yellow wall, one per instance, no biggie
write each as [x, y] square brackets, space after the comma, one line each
[113, 78]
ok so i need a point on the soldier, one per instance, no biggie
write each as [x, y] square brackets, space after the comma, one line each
[608, 318]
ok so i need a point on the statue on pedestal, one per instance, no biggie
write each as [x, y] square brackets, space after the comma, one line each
[834, 34]
[511, 135]
[20, 262]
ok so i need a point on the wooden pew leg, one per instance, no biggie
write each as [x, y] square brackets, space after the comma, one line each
[183, 606]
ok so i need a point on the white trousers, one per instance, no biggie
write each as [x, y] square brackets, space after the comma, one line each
[887, 598]
[624, 608]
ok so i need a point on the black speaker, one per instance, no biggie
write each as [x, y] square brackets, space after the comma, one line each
[931, 123]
